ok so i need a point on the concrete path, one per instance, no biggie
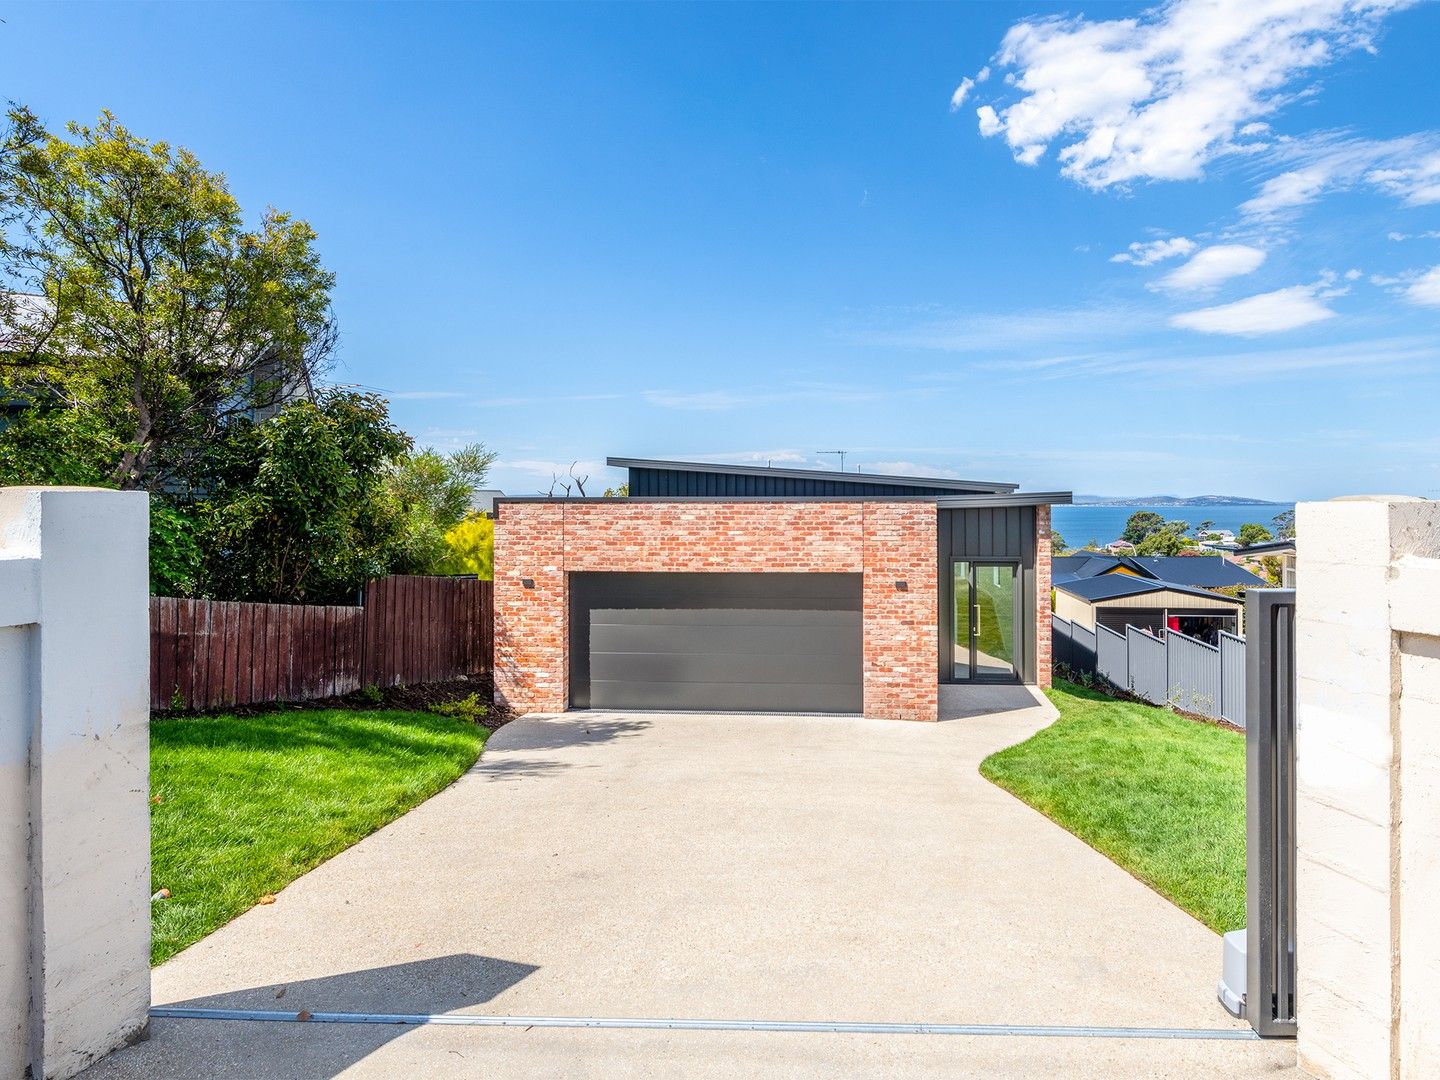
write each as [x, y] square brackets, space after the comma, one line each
[716, 867]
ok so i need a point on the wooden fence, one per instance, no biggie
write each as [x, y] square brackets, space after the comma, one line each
[207, 654]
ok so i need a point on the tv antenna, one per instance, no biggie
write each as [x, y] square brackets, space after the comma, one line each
[842, 454]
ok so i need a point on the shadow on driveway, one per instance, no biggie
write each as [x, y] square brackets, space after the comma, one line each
[241, 1048]
[561, 731]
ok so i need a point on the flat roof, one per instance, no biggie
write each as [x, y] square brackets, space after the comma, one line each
[986, 486]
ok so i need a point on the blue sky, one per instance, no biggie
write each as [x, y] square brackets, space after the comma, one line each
[1191, 249]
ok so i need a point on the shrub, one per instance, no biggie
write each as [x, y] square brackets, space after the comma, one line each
[469, 708]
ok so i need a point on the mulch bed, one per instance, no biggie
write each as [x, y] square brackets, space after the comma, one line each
[421, 698]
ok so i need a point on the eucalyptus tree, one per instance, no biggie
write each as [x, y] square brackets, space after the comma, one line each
[135, 292]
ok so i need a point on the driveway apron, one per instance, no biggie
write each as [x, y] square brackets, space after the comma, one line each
[719, 867]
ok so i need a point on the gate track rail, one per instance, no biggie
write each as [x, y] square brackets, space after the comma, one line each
[175, 1012]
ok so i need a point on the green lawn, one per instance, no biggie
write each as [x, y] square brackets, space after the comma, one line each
[1162, 796]
[240, 807]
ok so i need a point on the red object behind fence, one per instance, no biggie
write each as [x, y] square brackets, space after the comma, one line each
[207, 654]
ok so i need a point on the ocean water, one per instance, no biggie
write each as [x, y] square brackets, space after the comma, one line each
[1081, 524]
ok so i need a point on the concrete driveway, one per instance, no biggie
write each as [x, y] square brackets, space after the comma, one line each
[712, 867]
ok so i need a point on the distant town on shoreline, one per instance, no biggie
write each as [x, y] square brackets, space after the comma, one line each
[1173, 500]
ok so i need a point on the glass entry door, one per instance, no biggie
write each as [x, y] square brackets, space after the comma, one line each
[983, 646]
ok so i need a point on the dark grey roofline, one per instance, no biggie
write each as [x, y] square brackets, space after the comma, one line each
[1009, 498]
[944, 502]
[811, 474]
[1154, 585]
[621, 501]
[1264, 546]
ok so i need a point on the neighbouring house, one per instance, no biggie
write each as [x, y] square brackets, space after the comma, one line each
[482, 501]
[1152, 592]
[1116, 601]
[1283, 550]
[1196, 571]
[1120, 547]
[747, 588]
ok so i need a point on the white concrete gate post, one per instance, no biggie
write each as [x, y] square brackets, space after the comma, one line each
[74, 777]
[1368, 788]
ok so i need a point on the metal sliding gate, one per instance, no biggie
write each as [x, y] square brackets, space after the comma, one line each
[1269, 935]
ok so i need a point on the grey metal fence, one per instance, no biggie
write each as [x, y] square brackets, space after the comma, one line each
[1169, 669]
[1112, 656]
[1193, 674]
[1149, 671]
[1232, 678]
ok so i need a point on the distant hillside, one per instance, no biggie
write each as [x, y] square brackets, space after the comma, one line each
[1171, 500]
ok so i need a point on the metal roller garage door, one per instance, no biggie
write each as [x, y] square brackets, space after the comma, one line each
[726, 642]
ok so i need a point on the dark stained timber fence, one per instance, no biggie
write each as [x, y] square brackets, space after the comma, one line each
[207, 654]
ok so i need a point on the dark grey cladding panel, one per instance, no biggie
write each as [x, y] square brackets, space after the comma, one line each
[683, 483]
[717, 642]
[1001, 533]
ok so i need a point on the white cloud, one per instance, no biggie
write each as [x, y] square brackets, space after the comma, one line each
[1147, 253]
[909, 468]
[1425, 289]
[1213, 265]
[1416, 183]
[758, 457]
[1407, 168]
[961, 93]
[1159, 96]
[1391, 354]
[1290, 189]
[1267, 313]
[1010, 331]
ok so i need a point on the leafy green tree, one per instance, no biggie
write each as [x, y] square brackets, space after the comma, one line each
[430, 495]
[1057, 543]
[1283, 524]
[54, 444]
[136, 292]
[176, 555]
[1140, 525]
[1163, 541]
[298, 510]
[1253, 533]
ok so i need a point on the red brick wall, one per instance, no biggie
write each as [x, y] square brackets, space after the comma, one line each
[901, 682]
[887, 542]
[1043, 628]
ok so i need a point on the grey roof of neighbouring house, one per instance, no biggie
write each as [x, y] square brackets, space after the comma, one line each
[1267, 546]
[1115, 586]
[1197, 571]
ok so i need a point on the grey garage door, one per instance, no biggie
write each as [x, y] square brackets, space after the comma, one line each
[728, 642]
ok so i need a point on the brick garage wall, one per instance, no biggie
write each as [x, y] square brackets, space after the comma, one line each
[885, 541]
[1044, 582]
[900, 624]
